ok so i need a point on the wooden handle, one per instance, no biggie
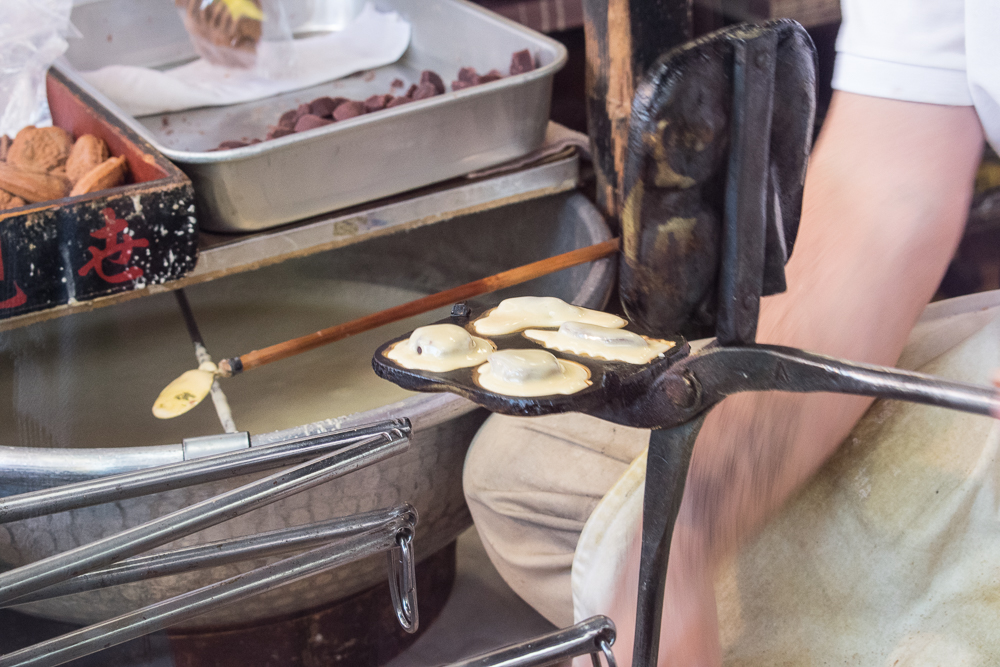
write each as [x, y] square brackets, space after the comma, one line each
[624, 37]
[516, 276]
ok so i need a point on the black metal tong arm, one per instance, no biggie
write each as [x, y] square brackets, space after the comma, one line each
[696, 383]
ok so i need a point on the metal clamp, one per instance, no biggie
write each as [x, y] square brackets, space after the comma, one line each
[403, 580]
[219, 443]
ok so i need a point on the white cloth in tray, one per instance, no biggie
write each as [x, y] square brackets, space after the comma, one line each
[372, 40]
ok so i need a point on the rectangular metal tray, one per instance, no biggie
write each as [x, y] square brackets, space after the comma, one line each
[349, 162]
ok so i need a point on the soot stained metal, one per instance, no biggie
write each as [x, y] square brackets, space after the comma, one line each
[718, 144]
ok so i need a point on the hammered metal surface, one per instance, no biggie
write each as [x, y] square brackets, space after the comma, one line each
[429, 476]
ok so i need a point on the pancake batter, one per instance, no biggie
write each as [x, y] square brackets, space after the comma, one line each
[539, 311]
[440, 348]
[531, 373]
[601, 343]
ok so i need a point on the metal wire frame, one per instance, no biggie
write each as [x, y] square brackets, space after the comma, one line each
[188, 473]
[228, 591]
[222, 552]
[592, 637]
[332, 455]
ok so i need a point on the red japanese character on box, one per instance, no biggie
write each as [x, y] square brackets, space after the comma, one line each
[118, 246]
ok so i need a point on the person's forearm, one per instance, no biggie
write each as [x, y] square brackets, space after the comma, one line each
[882, 216]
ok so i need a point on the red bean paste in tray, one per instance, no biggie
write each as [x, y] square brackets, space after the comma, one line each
[326, 110]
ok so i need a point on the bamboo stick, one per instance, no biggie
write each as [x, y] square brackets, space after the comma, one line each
[509, 278]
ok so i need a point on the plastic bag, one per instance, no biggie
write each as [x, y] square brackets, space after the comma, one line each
[32, 35]
[229, 32]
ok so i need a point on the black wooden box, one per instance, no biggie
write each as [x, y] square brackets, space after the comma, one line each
[79, 248]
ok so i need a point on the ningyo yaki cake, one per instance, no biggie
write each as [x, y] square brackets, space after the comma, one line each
[591, 340]
[513, 315]
[440, 348]
[544, 356]
[527, 373]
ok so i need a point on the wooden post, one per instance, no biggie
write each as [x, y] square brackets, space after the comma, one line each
[624, 37]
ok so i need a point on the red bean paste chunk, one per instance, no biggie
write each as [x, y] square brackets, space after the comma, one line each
[324, 111]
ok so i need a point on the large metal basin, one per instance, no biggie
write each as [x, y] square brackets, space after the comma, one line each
[79, 391]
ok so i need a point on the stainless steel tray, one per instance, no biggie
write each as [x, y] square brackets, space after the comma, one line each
[350, 162]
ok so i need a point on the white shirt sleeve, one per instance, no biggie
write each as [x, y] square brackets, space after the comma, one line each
[912, 50]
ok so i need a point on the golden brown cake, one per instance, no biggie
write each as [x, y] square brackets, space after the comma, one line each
[42, 149]
[88, 152]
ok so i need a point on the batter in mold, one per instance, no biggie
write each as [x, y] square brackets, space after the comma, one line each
[440, 348]
[601, 342]
[539, 311]
[530, 373]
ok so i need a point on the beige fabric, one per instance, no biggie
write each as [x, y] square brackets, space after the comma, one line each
[531, 484]
[892, 553]
[890, 556]
[600, 552]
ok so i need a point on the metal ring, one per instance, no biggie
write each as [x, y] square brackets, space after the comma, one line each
[606, 650]
[403, 581]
